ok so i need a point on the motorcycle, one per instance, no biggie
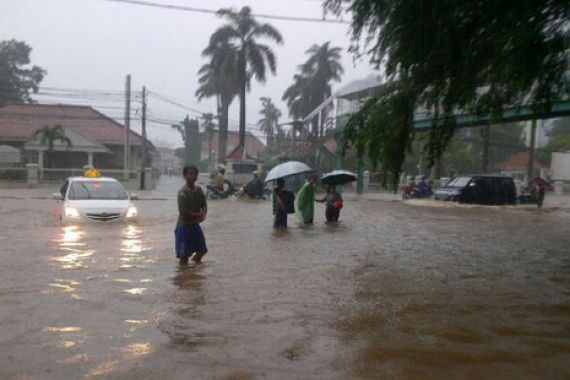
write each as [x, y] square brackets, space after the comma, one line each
[531, 195]
[212, 193]
[242, 192]
[414, 192]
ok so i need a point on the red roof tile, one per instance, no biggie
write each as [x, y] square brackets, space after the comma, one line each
[519, 161]
[252, 144]
[20, 121]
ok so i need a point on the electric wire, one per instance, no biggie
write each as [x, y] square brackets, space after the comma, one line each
[212, 11]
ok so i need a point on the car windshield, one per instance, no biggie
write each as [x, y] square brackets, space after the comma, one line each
[459, 182]
[97, 190]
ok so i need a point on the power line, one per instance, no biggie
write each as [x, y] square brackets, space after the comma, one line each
[212, 11]
[172, 102]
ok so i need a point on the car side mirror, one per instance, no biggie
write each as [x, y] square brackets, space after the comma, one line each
[57, 196]
[134, 197]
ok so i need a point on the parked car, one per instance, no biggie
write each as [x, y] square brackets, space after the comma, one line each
[94, 198]
[479, 189]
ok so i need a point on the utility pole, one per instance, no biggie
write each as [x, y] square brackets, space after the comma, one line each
[127, 150]
[143, 147]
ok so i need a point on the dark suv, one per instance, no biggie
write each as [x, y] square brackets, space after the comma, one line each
[480, 189]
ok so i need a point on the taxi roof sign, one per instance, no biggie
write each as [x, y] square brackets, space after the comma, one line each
[92, 173]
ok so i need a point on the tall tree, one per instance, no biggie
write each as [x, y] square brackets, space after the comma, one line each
[219, 78]
[242, 31]
[49, 135]
[209, 126]
[16, 81]
[560, 127]
[312, 85]
[476, 56]
[189, 131]
[269, 121]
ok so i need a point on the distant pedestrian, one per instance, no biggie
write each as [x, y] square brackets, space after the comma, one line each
[279, 205]
[306, 200]
[333, 202]
[192, 210]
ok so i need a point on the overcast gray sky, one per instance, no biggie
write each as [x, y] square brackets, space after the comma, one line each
[93, 44]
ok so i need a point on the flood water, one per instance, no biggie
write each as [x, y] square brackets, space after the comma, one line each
[396, 290]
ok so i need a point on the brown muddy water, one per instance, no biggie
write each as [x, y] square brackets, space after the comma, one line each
[395, 291]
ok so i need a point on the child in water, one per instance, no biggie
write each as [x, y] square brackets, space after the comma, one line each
[192, 210]
[333, 202]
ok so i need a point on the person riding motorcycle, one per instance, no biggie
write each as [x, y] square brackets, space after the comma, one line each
[254, 188]
[219, 182]
[424, 187]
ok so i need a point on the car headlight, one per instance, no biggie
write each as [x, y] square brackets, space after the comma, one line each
[71, 212]
[456, 193]
[131, 212]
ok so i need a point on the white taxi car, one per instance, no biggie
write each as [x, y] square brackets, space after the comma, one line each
[93, 197]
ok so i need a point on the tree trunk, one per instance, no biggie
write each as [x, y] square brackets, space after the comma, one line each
[210, 130]
[242, 85]
[223, 132]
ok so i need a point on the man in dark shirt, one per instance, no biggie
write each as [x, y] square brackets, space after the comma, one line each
[254, 189]
[279, 207]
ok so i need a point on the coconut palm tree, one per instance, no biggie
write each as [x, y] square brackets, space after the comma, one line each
[268, 123]
[208, 122]
[48, 136]
[242, 31]
[312, 85]
[218, 78]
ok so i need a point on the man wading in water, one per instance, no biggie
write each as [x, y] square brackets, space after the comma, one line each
[192, 209]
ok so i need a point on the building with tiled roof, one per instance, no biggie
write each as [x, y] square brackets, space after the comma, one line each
[253, 145]
[96, 139]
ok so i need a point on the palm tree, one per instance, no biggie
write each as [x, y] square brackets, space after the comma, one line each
[268, 124]
[48, 136]
[188, 129]
[312, 85]
[242, 31]
[208, 121]
[218, 78]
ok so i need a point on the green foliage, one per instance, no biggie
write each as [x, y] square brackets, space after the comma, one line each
[312, 85]
[561, 127]
[382, 128]
[252, 59]
[557, 144]
[268, 124]
[16, 82]
[49, 136]
[189, 131]
[476, 56]
[12, 175]
[219, 78]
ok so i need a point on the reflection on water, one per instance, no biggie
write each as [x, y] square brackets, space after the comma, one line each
[135, 290]
[70, 236]
[183, 326]
[69, 240]
[188, 278]
[128, 353]
[61, 329]
[131, 243]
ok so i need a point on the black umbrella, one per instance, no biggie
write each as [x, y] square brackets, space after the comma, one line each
[338, 177]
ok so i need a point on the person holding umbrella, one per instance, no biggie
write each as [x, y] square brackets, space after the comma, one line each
[284, 200]
[333, 202]
[306, 200]
[333, 199]
[279, 205]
